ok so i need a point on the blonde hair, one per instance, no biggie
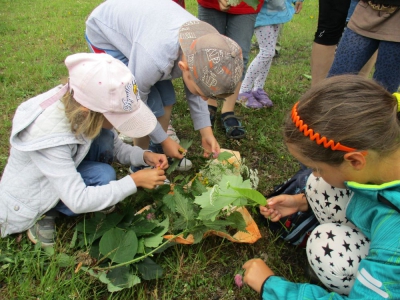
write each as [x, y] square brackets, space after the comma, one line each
[83, 120]
[350, 109]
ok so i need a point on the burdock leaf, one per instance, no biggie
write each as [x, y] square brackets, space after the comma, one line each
[224, 156]
[121, 278]
[251, 194]
[182, 205]
[120, 246]
[154, 241]
[237, 220]
[149, 269]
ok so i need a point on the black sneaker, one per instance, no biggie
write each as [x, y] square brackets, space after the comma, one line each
[44, 230]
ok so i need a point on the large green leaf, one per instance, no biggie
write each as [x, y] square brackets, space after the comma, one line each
[169, 202]
[224, 156]
[251, 194]
[121, 278]
[144, 227]
[155, 240]
[182, 205]
[120, 246]
[96, 226]
[149, 269]
[238, 221]
[217, 224]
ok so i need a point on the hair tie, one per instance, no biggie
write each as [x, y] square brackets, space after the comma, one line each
[397, 96]
[316, 136]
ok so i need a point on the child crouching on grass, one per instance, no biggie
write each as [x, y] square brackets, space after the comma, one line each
[63, 142]
[346, 129]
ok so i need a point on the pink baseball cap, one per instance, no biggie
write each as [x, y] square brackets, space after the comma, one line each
[215, 61]
[104, 84]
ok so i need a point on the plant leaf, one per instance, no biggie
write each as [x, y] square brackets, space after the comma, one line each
[119, 245]
[197, 188]
[224, 156]
[236, 218]
[155, 240]
[182, 205]
[149, 269]
[251, 194]
[169, 201]
[121, 278]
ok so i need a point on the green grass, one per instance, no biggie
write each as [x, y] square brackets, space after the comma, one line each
[36, 37]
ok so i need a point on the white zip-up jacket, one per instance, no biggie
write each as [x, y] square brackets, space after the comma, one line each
[41, 168]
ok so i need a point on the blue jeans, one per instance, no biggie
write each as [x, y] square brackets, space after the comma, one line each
[239, 28]
[355, 50]
[95, 168]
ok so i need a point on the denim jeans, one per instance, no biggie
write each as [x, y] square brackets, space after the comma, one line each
[95, 168]
[239, 28]
[355, 50]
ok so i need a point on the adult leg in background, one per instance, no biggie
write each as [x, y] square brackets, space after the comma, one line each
[331, 22]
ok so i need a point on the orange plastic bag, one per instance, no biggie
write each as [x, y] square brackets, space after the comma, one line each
[253, 233]
[251, 236]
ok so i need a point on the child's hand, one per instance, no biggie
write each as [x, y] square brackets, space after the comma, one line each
[297, 7]
[156, 160]
[256, 271]
[209, 143]
[149, 178]
[172, 148]
[283, 205]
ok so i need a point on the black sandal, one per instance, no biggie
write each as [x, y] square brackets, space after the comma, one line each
[213, 111]
[229, 129]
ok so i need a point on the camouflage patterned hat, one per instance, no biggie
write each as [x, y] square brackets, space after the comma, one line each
[214, 60]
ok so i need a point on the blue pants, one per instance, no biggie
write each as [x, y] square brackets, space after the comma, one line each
[239, 28]
[95, 168]
[355, 50]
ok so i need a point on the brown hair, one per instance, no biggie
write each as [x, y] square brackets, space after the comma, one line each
[83, 120]
[350, 109]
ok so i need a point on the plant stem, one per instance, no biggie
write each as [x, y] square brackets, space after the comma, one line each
[138, 258]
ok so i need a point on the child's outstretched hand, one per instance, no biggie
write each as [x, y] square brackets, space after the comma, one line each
[256, 271]
[149, 178]
[156, 160]
[283, 205]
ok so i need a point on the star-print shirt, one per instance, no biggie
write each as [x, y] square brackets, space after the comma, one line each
[375, 210]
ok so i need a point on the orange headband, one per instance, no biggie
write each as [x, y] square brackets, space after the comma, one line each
[316, 136]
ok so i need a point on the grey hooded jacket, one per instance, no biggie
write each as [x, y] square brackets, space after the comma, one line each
[41, 168]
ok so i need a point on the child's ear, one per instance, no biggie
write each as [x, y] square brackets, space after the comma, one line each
[356, 159]
[183, 65]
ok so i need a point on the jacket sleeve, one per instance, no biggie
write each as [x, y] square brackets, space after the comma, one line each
[127, 154]
[378, 277]
[198, 110]
[57, 165]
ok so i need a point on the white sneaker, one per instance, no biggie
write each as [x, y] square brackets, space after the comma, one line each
[184, 165]
[125, 139]
[172, 134]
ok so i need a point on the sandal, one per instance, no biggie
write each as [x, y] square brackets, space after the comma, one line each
[229, 129]
[213, 111]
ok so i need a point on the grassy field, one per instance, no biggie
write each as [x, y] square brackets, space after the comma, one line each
[36, 37]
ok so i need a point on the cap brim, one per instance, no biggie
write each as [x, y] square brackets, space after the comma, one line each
[137, 124]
